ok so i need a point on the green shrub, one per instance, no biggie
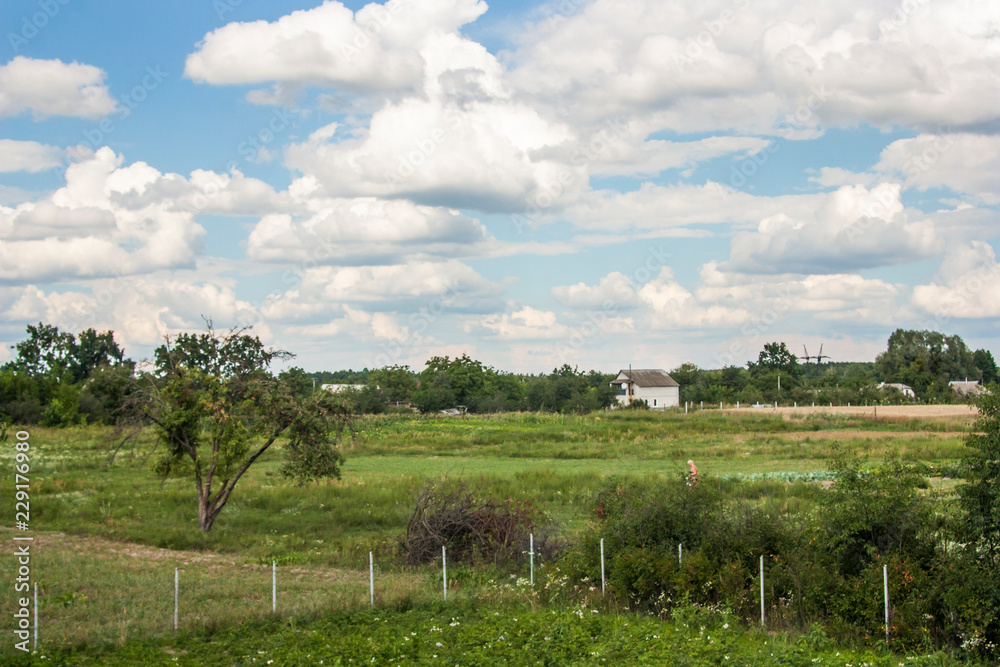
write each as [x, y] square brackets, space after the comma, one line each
[64, 408]
[873, 514]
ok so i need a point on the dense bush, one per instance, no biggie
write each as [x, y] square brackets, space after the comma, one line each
[869, 516]
[473, 527]
[825, 566]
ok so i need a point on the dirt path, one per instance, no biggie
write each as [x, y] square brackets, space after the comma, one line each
[101, 547]
[883, 411]
[852, 434]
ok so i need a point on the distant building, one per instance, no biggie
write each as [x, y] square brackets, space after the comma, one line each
[965, 388]
[654, 386]
[336, 388]
[904, 389]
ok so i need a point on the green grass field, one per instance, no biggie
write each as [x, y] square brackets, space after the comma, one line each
[110, 536]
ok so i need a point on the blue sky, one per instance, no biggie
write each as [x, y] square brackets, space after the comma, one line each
[598, 183]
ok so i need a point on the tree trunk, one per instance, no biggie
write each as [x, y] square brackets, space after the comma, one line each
[206, 517]
[209, 507]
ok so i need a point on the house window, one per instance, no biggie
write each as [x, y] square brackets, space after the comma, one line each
[654, 402]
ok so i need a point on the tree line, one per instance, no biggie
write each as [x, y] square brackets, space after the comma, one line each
[925, 361]
[58, 378]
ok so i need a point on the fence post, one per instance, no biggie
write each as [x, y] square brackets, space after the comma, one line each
[680, 552]
[371, 577]
[602, 566]
[36, 615]
[176, 586]
[762, 591]
[444, 572]
[274, 587]
[885, 583]
[531, 555]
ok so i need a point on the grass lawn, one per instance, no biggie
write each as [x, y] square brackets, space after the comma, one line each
[110, 536]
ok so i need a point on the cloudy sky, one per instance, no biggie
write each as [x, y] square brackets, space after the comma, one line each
[592, 182]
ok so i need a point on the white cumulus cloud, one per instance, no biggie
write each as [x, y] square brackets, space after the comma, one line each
[53, 88]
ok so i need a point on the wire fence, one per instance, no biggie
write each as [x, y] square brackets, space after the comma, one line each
[606, 587]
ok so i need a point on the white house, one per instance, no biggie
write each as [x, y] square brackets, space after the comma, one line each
[652, 385]
[337, 388]
[905, 389]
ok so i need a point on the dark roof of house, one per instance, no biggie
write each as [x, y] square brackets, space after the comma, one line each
[648, 377]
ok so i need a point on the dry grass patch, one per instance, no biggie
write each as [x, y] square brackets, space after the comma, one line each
[95, 591]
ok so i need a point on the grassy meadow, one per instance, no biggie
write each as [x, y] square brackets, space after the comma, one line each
[109, 535]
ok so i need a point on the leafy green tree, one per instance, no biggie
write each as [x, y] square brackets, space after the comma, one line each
[22, 396]
[776, 357]
[48, 351]
[224, 356]
[91, 351]
[105, 393]
[368, 400]
[468, 377]
[214, 407]
[298, 382]
[980, 493]
[64, 407]
[465, 381]
[693, 382]
[734, 379]
[435, 392]
[398, 382]
[987, 365]
[775, 373]
[926, 361]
